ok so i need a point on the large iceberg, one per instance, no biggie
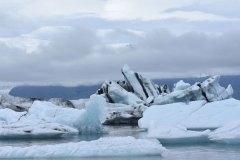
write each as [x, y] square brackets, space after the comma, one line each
[194, 115]
[184, 123]
[44, 118]
[135, 93]
[103, 147]
[209, 90]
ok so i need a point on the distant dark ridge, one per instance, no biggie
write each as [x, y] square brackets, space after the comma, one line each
[47, 92]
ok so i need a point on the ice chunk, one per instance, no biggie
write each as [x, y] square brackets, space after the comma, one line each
[181, 85]
[142, 87]
[118, 113]
[47, 119]
[10, 116]
[177, 135]
[119, 95]
[49, 112]
[15, 103]
[194, 115]
[34, 129]
[169, 114]
[85, 120]
[228, 134]
[209, 90]
[214, 91]
[103, 147]
[93, 116]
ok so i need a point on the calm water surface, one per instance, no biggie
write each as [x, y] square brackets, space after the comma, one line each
[205, 151]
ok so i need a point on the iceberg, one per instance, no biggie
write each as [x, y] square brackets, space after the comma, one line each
[46, 118]
[181, 85]
[209, 90]
[116, 94]
[137, 92]
[194, 115]
[103, 147]
[142, 87]
[10, 116]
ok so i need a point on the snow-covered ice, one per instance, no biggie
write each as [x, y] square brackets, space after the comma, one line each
[103, 147]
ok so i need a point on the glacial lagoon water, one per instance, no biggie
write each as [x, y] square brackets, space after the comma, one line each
[213, 151]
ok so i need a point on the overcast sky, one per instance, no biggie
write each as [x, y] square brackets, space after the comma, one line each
[86, 41]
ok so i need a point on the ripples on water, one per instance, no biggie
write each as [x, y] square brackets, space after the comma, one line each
[204, 151]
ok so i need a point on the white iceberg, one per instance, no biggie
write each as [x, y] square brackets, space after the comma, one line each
[194, 115]
[103, 147]
[47, 118]
[10, 116]
[177, 135]
[209, 90]
[181, 85]
[117, 94]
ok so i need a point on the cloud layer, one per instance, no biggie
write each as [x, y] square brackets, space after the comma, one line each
[72, 42]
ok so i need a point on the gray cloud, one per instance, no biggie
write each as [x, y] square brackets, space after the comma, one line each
[80, 56]
[67, 48]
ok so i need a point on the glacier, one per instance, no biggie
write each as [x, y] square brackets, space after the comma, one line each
[103, 147]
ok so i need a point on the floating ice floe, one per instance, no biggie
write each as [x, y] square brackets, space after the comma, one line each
[103, 147]
[194, 115]
[35, 129]
[46, 118]
[177, 135]
[228, 134]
